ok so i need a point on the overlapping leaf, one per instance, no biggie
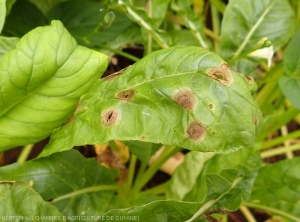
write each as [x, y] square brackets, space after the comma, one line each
[245, 23]
[19, 202]
[290, 82]
[204, 175]
[199, 103]
[41, 81]
[277, 189]
[62, 179]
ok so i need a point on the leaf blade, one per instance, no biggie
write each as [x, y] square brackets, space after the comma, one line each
[42, 80]
[150, 93]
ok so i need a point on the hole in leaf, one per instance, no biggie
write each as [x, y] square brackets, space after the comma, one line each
[126, 95]
[186, 99]
[196, 130]
[110, 117]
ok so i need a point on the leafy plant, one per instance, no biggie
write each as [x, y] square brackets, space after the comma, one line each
[180, 97]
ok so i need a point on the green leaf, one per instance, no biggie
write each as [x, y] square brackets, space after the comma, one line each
[192, 21]
[42, 80]
[171, 210]
[141, 17]
[83, 20]
[142, 150]
[62, 180]
[46, 5]
[277, 190]
[19, 202]
[23, 17]
[199, 104]
[203, 176]
[9, 5]
[245, 23]
[163, 211]
[2, 13]
[7, 44]
[290, 81]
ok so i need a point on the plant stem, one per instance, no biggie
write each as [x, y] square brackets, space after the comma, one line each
[247, 214]
[272, 210]
[159, 189]
[130, 174]
[279, 150]
[121, 53]
[113, 146]
[284, 132]
[142, 181]
[216, 25]
[25, 153]
[280, 140]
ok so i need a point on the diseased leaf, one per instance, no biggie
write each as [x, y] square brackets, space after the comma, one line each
[202, 176]
[199, 104]
[84, 18]
[7, 44]
[290, 81]
[62, 180]
[245, 23]
[42, 80]
[19, 202]
[277, 187]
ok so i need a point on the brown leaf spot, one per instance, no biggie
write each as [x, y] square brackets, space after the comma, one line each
[186, 99]
[225, 66]
[113, 75]
[250, 79]
[221, 75]
[143, 138]
[110, 117]
[126, 95]
[211, 106]
[255, 120]
[196, 130]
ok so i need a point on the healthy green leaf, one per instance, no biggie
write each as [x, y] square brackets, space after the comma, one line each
[277, 188]
[2, 13]
[290, 82]
[7, 44]
[163, 211]
[199, 104]
[9, 4]
[62, 180]
[42, 80]
[23, 17]
[46, 5]
[83, 19]
[192, 21]
[142, 150]
[142, 18]
[19, 202]
[202, 176]
[171, 210]
[245, 23]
